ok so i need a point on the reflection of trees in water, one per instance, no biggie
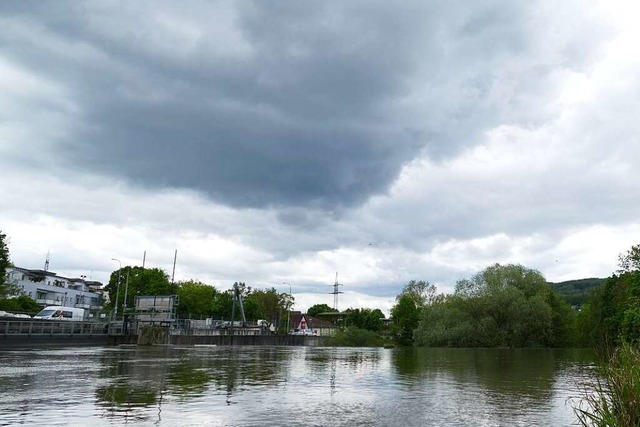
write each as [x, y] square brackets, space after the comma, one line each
[136, 381]
[353, 358]
[522, 375]
[139, 377]
[317, 361]
[238, 368]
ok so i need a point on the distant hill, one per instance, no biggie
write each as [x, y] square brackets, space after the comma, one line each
[576, 292]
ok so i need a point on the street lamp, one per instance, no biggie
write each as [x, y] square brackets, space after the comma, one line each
[115, 313]
[288, 305]
[126, 291]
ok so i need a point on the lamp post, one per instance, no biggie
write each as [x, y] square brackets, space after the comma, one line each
[126, 291]
[115, 313]
[288, 305]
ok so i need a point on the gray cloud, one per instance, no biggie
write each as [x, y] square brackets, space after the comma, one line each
[304, 105]
[271, 142]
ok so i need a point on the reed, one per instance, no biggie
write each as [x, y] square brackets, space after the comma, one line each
[613, 398]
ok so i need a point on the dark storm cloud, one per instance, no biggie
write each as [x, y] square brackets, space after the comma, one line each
[308, 104]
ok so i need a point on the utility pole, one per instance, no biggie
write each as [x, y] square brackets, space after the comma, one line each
[288, 305]
[115, 312]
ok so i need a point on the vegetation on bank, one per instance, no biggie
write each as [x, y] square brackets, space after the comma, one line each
[611, 322]
[502, 306]
[352, 336]
[613, 399]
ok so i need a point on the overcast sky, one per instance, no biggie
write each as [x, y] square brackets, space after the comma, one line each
[282, 142]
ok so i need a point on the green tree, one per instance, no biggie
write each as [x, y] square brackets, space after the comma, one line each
[223, 302]
[314, 310]
[142, 281]
[630, 260]
[270, 304]
[28, 304]
[613, 312]
[502, 306]
[422, 292]
[197, 299]
[406, 312]
[6, 289]
[405, 316]
[365, 318]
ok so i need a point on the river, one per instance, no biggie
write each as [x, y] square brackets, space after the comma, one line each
[282, 386]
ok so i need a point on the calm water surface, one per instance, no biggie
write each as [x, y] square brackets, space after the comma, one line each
[277, 386]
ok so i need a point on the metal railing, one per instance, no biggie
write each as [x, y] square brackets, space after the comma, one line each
[39, 327]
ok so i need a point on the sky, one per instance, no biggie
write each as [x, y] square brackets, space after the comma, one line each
[280, 143]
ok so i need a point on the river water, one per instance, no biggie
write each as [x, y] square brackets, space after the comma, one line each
[278, 386]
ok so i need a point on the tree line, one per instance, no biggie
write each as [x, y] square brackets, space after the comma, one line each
[514, 306]
[501, 306]
[197, 300]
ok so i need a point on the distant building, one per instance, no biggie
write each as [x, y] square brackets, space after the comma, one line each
[308, 325]
[47, 288]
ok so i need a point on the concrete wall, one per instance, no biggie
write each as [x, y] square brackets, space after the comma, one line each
[267, 340]
[8, 341]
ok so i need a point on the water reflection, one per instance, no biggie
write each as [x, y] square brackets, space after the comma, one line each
[280, 386]
[505, 383]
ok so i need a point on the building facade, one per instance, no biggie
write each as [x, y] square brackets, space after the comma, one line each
[308, 325]
[47, 288]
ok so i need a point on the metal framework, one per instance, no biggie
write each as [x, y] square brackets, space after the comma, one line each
[336, 291]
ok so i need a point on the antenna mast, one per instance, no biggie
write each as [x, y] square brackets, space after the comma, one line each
[46, 261]
[335, 292]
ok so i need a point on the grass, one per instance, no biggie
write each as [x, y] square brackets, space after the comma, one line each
[613, 399]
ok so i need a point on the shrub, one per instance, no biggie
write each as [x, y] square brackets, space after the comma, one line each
[356, 337]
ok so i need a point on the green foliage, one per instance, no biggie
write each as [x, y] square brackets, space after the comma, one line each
[576, 292]
[199, 300]
[502, 306]
[406, 312]
[142, 281]
[196, 299]
[10, 305]
[271, 304]
[365, 318]
[423, 293]
[6, 289]
[612, 315]
[21, 304]
[630, 260]
[613, 399]
[320, 308]
[353, 336]
[28, 304]
[405, 315]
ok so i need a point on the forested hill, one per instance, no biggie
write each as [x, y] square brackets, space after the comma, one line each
[576, 292]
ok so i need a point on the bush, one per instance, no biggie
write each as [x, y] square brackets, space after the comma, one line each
[28, 304]
[356, 337]
[10, 304]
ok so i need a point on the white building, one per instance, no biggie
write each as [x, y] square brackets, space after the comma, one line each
[47, 288]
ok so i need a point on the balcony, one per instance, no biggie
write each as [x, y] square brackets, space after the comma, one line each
[48, 301]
